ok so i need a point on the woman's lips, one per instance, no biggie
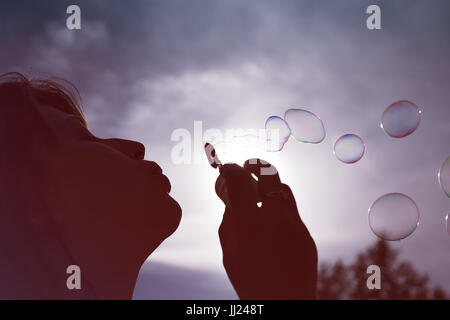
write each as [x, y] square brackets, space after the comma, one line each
[156, 172]
[153, 166]
[165, 182]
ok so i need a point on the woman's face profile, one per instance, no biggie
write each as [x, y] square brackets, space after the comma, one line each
[102, 193]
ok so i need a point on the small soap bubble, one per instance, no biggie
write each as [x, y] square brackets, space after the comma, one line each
[401, 118]
[349, 148]
[393, 216]
[305, 126]
[444, 177]
[277, 133]
[447, 223]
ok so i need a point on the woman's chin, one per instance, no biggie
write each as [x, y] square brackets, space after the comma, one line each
[165, 219]
[174, 215]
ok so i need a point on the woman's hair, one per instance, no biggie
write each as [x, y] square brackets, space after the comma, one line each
[55, 92]
[28, 227]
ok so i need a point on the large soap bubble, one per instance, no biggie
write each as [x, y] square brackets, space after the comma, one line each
[393, 216]
[444, 177]
[401, 118]
[277, 133]
[305, 126]
[349, 148]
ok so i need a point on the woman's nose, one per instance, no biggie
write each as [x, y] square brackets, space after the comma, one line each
[133, 149]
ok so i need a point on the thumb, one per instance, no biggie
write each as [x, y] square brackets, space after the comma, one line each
[240, 189]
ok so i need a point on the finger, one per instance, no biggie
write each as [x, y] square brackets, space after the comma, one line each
[261, 167]
[269, 183]
[226, 234]
[287, 196]
[292, 215]
[292, 212]
[241, 191]
[222, 191]
[277, 196]
[228, 243]
[242, 196]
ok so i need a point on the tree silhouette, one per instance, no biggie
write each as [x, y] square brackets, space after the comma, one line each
[399, 280]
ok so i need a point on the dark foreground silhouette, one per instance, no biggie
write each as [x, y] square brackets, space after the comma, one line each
[399, 279]
[267, 251]
[69, 198]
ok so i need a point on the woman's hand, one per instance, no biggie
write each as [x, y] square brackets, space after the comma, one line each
[268, 252]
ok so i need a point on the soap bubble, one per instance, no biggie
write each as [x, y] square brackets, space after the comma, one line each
[305, 125]
[349, 148]
[444, 177]
[447, 223]
[277, 133]
[393, 216]
[401, 119]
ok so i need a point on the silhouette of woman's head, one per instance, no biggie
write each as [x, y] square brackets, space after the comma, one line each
[68, 197]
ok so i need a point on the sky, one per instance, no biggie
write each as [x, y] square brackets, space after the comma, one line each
[147, 68]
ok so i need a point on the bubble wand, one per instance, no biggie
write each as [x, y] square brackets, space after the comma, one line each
[221, 187]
